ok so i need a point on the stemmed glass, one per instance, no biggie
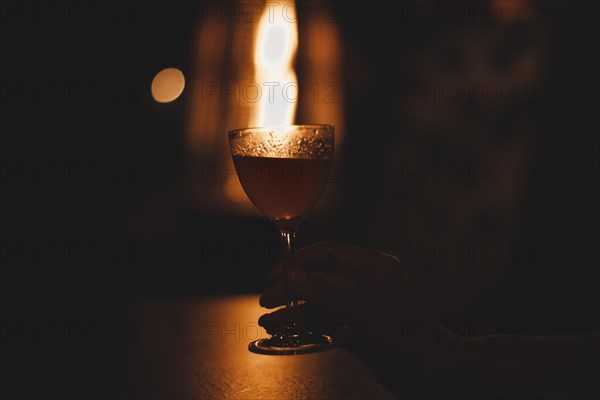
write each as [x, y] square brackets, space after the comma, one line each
[284, 170]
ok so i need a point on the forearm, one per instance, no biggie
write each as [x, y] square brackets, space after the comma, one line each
[516, 365]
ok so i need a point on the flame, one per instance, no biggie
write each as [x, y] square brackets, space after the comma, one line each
[274, 52]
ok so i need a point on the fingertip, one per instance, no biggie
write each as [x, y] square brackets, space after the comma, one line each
[268, 320]
[261, 320]
[275, 295]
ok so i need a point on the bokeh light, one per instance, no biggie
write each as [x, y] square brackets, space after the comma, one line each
[167, 85]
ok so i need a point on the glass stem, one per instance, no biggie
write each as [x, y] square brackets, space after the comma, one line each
[288, 236]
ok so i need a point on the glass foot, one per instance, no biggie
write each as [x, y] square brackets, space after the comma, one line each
[291, 344]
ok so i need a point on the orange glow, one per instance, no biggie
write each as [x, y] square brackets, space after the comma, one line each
[321, 96]
[513, 11]
[274, 51]
[167, 85]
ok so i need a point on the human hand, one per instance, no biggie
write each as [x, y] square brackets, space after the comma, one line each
[367, 290]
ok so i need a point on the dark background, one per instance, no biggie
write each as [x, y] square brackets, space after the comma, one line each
[173, 250]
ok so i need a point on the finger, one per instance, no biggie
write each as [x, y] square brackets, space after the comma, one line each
[329, 290]
[284, 315]
[279, 271]
[276, 295]
[339, 257]
[334, 257]
[304, 313]
[337, 282]
[303, 318]
[279, 293]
